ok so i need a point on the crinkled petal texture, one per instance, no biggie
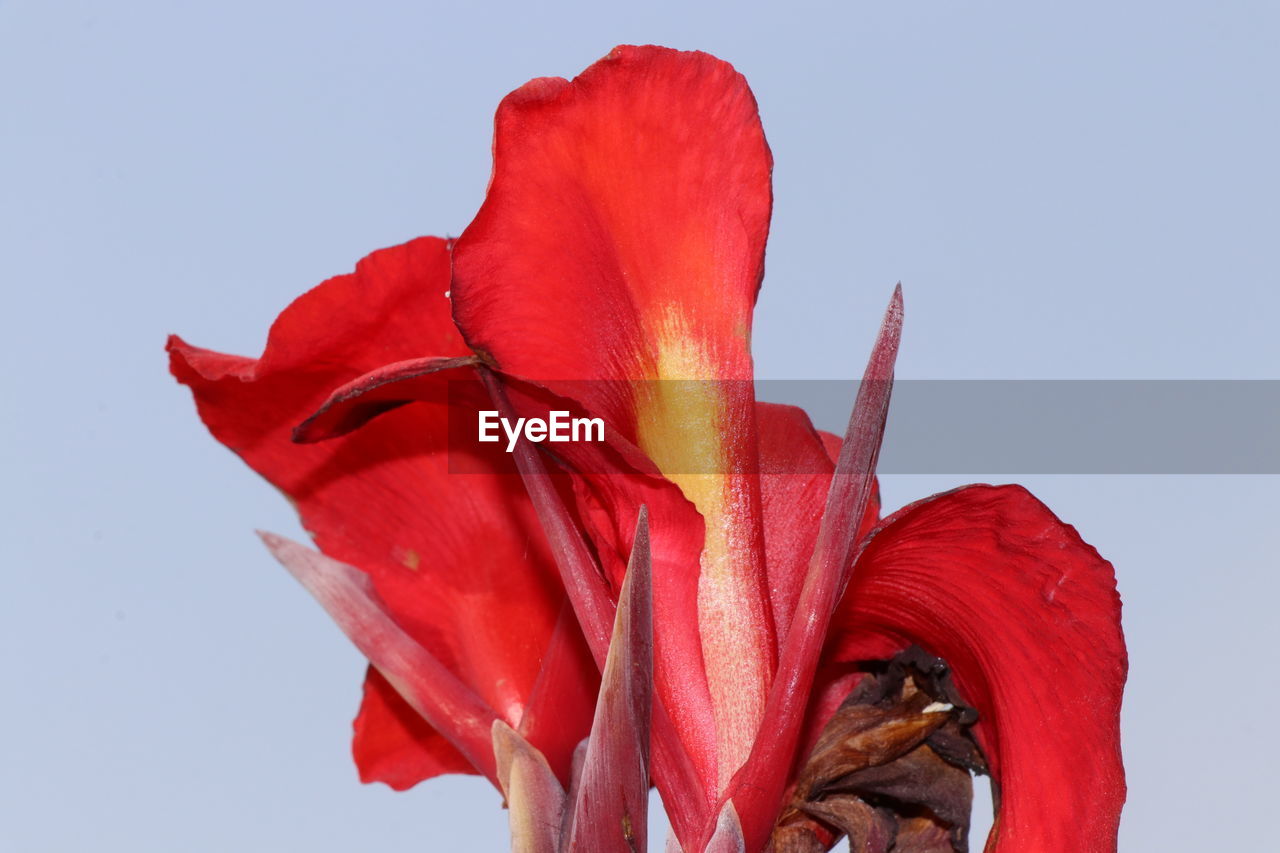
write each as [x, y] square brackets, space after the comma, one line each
[459, 560]
[1027, 615]
[616, 261]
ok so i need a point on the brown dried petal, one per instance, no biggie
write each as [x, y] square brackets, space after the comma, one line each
[922, 835]
[797, 838]
[870, 830]
[891, 769]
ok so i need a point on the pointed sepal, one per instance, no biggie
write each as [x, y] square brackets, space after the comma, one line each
[610, 808]
[757, 788]
[347, 595]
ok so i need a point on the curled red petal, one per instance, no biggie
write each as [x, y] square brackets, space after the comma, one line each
[796, 464]
[1027, 615]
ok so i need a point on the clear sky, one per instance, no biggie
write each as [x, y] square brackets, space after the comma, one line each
[1087, 191]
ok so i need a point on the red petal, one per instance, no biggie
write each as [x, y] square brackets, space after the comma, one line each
[796, 463]
[460, 561]
[394, 745]
[622, 238]
[758, 787]
[611, 803]
[624, 204]
[795, 474]
[560, 706]
[1027, 615]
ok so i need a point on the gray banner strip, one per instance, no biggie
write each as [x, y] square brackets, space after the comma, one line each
[1061, 426]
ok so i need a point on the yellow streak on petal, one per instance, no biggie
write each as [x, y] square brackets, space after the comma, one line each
[681, 425]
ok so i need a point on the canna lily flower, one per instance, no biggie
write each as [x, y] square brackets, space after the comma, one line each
[803, 669]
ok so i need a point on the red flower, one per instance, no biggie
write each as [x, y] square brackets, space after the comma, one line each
[614, 267]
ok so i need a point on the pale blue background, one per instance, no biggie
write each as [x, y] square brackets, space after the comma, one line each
[1082, 191]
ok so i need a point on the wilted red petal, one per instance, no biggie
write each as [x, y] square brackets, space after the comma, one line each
[347, 595]
[459, 561]
[1026, 614]
[758, 787]
[393, 744]
[611, 803]
[622, 241]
